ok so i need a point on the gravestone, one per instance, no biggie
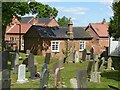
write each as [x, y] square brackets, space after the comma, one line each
[84, 53]
[16, 63]
[95, 77]
[89, 68]
[5, 58]
[109, 64]
[76, 57]
[55, 65]
[71, 57]
[27, 52]
[92, 53]
[100, 64]
[44, 79]
[73, 83]
[57, 77]
[47, 58]
[32, 72]
[30, 60]
[82, 79]
[44, 66]
[6, 81]
[22, 74]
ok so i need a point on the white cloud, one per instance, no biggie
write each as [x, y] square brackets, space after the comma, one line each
[75, 10]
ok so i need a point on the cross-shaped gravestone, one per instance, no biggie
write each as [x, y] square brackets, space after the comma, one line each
[22, 74]
[76, 57]
[57, 76]
[44, 79]
[30, 60]
[6, 81]
[89, 68]
[47, 58]
[82, 82]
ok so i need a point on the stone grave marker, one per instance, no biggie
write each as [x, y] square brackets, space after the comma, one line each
[22, 74]
[100, 64]
[30, 60]
[32, 72]
[109, 64]
[5, 60]
[95, 77]
[27, 52]
[16, 63]
[92, 53]
[44, 79]
[6, 81]
[82, 82]
[76, 57]
[47, 58]
[89, 68]
[84, 53]
[71, 57]
[57, 77]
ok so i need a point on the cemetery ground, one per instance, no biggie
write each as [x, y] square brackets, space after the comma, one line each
[108, 77]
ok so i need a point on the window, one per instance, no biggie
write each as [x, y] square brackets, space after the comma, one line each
[55, 46]
[82, 45]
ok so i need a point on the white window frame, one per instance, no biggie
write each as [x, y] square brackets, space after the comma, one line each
[83, 44]
[55, 43]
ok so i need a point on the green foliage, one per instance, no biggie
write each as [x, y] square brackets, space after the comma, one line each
[63, 21]
[114, 27]
[43, 10]
[66, 52]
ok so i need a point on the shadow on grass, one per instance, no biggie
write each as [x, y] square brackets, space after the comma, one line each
[115, 75]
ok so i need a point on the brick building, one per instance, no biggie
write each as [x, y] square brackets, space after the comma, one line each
[42, 39]
[99, 32]
[17, 28]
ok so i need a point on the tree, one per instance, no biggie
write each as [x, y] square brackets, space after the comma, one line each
[43, 11]
[20, 9]
[114, 27]
[63, 21]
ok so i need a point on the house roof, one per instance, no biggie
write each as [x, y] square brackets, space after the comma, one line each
[26, 19]
[44, 20]
[59, 32]
[15, 28]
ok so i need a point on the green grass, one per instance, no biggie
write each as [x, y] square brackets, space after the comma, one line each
[69, 71]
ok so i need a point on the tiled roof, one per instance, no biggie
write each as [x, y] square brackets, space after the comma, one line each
[100, 29]
[15, 28]
[26, 19]
[59, 32]
[44, 20]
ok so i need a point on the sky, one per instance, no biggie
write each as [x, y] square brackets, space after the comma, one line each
[82, 12]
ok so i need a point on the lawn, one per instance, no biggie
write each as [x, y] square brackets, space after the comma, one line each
[69, 71]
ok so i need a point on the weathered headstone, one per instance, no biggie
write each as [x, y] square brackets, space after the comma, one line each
[57, 76]
[44, 79]
[5, 60]
[32, 72]
[47, 58]
[89, 68]
[6, 81]
[100, 64]
[82, 79]
[71, 57]
[22, 74]
[27, 52]
[92, 53]
[76, 57]
[30, 60]
[84, 53]
[109, 63]
[16, 63]
[95, 77]
[73, 83]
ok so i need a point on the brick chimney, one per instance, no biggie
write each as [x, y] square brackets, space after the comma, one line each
[70, 29]
[104, 21]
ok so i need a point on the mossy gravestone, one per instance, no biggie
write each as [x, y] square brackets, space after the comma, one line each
[84, 53]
